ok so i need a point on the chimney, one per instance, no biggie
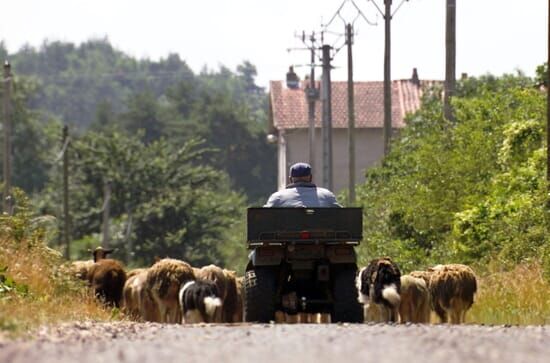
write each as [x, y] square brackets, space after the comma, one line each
[292, 80]
[464, 76]
[414, 79]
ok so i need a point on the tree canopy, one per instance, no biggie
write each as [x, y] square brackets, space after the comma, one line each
[465, 191]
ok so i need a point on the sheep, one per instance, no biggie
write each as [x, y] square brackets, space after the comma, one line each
[107, 278]
[132, 292]
[415, 300]
[137, 300]
[163, 282]
[379, 283]
[238, 315]
[199, 301]
[80, 269]
[452, 289]
[232, 304]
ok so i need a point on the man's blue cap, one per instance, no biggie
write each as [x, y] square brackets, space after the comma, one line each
[300, 169]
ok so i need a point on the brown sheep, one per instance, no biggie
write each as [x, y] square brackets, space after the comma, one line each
[415, 300]
[138, 302]
[164, 280]
[107, 278]
[132, 292]
[379, 283]
[80, 269]
[238, 316]
[232, 306]
[452, 290]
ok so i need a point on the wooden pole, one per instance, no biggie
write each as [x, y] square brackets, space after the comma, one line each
[450, 59]
[66, 216]
[351, 119]
[387, 77]
[7, 203]
[326, 99]
[311, 97]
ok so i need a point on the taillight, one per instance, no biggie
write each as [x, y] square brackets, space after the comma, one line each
[305, 235]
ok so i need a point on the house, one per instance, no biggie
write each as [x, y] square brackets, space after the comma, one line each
[289, 125]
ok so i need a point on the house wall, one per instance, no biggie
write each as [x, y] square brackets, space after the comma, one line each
[368, 151]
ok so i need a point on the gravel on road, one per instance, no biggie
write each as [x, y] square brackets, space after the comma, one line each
[85, 342]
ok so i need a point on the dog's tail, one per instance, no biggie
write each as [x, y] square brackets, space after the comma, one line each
[211, 304]
[390, 294]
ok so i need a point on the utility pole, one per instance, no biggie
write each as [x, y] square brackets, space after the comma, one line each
[351, 118]
[388, 16]
[7, 203]
[66, 216]
[387, 77]
[312, 95]
[450, 59]
[106, 207]
[326, 100]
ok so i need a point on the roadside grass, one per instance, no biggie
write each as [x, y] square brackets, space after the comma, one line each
[35, 291]
[518, 297]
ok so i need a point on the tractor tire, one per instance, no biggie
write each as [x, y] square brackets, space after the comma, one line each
[346, 308]
[260, 290]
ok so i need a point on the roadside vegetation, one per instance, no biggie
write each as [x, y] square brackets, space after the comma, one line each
[471, 191]
[517, 296]
[33, 288]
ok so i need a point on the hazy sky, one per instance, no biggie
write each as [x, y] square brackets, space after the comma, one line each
[496, 36]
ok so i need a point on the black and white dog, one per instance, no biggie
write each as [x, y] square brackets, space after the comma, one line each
[200, 302]
[379, 286]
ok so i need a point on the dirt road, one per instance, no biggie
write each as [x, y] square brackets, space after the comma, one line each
[133, 342]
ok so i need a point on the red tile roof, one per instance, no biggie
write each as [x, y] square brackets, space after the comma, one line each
[290, 108]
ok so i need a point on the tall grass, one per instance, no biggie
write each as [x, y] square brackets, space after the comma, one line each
[520, 296]
[36, 291]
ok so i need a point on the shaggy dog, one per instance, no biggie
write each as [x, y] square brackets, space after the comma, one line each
[226, 283]
[163, 283]
[199, 301]
[379, 284]
[415, 300]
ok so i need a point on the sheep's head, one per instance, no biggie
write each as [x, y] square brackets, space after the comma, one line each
[101, 253]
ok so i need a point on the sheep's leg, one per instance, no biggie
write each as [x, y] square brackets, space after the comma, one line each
[441, 313]
[455, 316]
[163, 313]
[463, 316]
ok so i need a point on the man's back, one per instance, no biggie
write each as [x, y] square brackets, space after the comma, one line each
[303, 195]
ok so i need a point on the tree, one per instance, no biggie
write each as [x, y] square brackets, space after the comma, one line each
[468, 190]
[178, 207]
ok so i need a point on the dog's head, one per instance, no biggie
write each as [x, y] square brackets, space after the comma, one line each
[383, 272]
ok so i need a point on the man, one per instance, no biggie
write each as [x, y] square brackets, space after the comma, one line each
[301, 192]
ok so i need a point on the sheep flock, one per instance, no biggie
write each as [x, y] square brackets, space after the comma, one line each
[388, 296]
[173, 291]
